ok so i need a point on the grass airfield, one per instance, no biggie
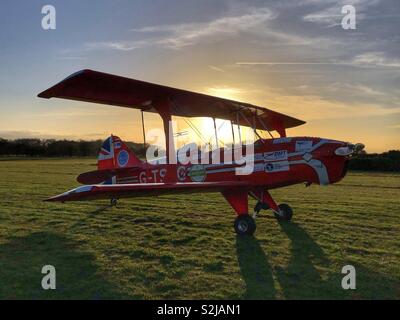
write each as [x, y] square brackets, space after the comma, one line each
[184, 246]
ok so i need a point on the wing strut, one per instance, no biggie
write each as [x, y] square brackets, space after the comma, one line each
[265, 127]
[216, 133]
[233, 133]
[238, 125]
[250, 125]
[164, 110]
[144, 134]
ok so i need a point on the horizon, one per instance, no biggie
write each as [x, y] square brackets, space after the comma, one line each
[291, 57]
[365, 150]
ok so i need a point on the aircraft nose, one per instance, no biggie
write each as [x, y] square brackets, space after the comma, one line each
[350, 149]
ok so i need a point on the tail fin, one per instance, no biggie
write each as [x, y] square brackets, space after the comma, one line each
[116, 154]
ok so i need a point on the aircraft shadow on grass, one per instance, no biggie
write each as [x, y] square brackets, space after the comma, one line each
[255, 269]
[91, 215]
[301, 278]
[22, 258]
[77, 277]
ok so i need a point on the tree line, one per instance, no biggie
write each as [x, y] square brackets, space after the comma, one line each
[386, 161]
[57, 148]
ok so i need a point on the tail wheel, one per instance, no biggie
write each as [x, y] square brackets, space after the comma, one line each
[285, 212]
[244, 225]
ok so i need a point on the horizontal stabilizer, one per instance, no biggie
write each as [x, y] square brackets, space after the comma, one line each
[99, 176]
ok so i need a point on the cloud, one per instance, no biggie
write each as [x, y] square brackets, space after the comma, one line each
[331, 16]
[357, 88]
[378, 59]
[355, 92]
[367, 59]
[182, 35]
[306, 105]
[70, 58]
[117, 45]
[314, 107]
[254, 21]
[227, 92]
[288, 63]
[218, 69]
[178, 36]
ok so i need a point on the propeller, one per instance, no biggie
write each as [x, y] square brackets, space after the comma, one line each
[357, 148]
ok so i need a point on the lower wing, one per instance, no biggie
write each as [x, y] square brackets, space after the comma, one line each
[116, 191]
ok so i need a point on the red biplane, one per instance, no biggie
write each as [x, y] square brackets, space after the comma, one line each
[276, 162]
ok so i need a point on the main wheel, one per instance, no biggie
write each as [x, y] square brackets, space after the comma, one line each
[244, 225]
[285, 212]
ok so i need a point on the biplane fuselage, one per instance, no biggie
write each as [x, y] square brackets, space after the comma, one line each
[274, 163]
[237, 173]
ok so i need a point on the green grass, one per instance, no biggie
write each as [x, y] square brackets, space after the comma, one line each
[183, 246]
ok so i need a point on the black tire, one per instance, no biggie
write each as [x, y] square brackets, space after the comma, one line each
[285, 213]
[244, 225]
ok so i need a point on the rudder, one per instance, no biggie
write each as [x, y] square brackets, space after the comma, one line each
[114, 154]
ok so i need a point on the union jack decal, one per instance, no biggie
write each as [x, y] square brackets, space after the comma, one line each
[106, 150]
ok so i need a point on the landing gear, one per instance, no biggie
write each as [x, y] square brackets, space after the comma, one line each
[282, 212]
[244, 225]
[113, 202]
[258, 207]
[285, 212]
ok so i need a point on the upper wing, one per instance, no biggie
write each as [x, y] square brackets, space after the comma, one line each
[94, 86]
[142, 189]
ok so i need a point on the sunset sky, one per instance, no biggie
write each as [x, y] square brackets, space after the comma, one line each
[290, 56]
